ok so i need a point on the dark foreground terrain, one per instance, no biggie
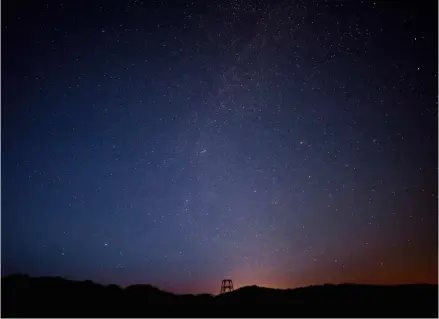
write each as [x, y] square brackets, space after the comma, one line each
[23, 296]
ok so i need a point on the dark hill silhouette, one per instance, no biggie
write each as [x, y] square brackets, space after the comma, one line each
[24, 296]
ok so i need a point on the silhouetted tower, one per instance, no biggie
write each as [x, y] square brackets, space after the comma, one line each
[226, 285]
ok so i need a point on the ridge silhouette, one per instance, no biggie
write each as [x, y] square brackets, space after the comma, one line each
[24, 296]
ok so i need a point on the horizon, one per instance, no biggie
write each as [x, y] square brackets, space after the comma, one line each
[218, 293]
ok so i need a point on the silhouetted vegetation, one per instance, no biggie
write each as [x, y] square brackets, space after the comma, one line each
[24, 296]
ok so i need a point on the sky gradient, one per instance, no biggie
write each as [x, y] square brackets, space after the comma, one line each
[282, 143]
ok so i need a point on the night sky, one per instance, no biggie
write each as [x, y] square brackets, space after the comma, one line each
[282, 143]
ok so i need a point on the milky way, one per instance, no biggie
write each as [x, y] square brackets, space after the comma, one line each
[280, 144]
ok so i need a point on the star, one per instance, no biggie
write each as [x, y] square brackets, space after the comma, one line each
[208, 139]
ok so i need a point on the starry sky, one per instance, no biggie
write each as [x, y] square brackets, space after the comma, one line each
[278, 143]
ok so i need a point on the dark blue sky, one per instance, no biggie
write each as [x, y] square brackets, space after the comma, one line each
[280, 143]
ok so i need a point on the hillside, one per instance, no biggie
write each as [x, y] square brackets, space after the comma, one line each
[24, 296]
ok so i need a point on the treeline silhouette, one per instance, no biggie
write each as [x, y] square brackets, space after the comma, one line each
[24, 296]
